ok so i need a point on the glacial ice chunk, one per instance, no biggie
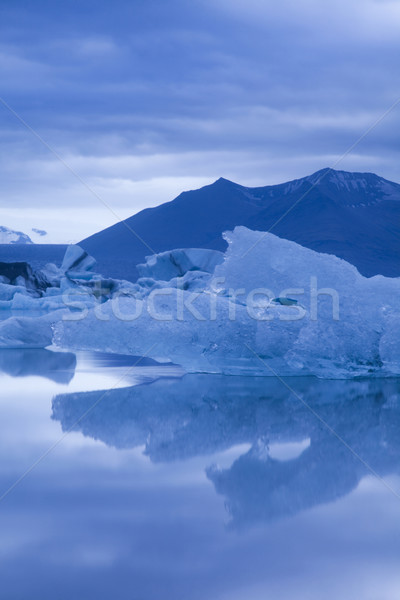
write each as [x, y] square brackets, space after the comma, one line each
[7, 291]
[52, 274]
[28, 332]
[21, 274]
[76, 259]
[175, 263]
[342, 324]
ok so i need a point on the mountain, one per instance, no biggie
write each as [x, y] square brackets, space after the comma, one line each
[9, 236]
[355, 216]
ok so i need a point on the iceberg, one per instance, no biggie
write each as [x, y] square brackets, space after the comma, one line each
[77, 260]
[337, 324]
[7, 291]
[29, 332]
[184, 268]
[58, 291]
[176, 263]
[21, 274]
[52, 287]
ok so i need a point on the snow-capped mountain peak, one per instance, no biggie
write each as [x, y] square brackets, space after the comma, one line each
[367, 184]
[9, 236]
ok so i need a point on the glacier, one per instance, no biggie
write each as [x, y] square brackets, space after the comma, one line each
[341, 325]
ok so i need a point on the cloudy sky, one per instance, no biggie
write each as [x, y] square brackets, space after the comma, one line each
[110, 107]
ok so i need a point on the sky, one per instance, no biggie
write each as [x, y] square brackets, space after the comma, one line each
[110, 107]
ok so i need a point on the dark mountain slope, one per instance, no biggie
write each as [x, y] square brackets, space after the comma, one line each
[353, 215]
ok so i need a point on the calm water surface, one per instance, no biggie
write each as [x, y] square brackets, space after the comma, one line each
[153, 485]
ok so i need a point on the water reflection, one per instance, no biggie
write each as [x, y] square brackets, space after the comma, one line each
[57, 366]
[203, 415]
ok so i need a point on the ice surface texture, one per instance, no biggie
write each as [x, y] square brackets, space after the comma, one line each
[51, 287]
[77, 260]
[175, 263]
[344, 324]
[28, 332]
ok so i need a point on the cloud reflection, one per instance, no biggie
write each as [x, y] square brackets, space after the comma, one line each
[201, 415]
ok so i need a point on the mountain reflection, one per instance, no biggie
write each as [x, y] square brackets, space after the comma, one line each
[206, 414]
[19, 362]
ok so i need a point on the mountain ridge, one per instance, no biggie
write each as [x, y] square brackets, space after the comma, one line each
[355, 216]
[10, 236]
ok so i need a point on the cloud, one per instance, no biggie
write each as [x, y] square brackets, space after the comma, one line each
[375, 20]
[259, 92]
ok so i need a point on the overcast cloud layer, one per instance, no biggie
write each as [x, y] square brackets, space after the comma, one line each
[146, 98]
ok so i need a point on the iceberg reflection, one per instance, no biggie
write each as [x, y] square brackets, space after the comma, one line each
[23, 362]
[207, 414]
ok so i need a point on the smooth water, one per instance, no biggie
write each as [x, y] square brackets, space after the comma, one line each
[121, 478]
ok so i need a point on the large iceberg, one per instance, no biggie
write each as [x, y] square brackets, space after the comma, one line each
[266, 307]
[271, 307]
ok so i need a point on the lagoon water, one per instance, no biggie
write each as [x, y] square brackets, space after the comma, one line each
[122, 478]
